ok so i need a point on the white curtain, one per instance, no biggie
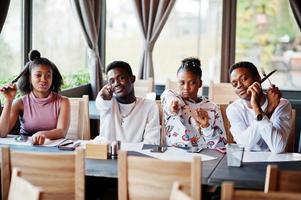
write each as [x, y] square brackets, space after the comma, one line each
[88, 14]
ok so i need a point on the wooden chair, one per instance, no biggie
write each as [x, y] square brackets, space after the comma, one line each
[177, 193]
[282, 180]
[143, 87]
[79, 122]
[228, 193]
[221, 93]
[290, 146]
[227, 125]
[61, 175]
[20, 188]
[148, 178]
[172, 85]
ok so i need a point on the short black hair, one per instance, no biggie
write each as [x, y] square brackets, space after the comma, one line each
[35, 60]
[120, 64]
[191, 64]
[245, 64]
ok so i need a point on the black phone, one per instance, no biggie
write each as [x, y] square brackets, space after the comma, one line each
[159, 149]
[194, 149]
[69, 146]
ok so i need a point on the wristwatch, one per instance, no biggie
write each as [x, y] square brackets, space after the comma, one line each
[259, 117]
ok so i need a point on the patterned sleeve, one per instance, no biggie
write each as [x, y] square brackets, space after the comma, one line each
[214, 134]
[173, 124]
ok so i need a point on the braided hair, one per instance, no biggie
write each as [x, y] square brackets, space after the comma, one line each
[191, 64]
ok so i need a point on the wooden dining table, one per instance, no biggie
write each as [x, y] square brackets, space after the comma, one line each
[251, 175]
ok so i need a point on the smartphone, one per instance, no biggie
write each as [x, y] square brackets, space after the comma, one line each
[159, 149]
[194, 149]
[70, 146]
[222, 150]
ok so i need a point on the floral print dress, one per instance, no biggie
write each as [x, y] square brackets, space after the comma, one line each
[183, 129]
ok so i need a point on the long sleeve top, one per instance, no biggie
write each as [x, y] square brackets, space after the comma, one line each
[132, 123]
[183, 129]
[265, 135]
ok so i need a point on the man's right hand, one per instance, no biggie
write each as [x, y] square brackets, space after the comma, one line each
[9, 91]
[106, 92]
[175, 107]
[255, 90]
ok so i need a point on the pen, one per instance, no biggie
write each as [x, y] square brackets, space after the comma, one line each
[264, 75]
[67, 143]
[19, 76]
[267, 76]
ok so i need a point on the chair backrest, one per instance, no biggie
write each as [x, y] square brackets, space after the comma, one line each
[143, 87]
[172, 85]
[282, 180]
[228, 193]
[148, 178]
[61, 175]
[20, 188]
[177, 193]
[79, 122]
[227, 125]
[290, 146]
[221, 93]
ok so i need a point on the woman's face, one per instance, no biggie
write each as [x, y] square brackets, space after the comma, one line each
[41, 78]
[189, 84]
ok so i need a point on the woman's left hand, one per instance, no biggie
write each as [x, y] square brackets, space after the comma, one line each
[38, 138]
[202, 118]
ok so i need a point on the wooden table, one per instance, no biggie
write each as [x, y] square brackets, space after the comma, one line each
[108, 168]
[249, 176]
[214, 172]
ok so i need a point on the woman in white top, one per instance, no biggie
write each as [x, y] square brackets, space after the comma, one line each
[191, 120]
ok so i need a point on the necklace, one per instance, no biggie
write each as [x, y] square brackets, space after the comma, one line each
[126, 115]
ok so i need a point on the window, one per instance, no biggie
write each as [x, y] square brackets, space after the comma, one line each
[123, 34]
[268, 36]
[10, 43]
[193, 29]
[57, 35]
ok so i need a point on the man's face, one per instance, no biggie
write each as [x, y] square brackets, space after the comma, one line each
[122, 83]
[241, 78]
